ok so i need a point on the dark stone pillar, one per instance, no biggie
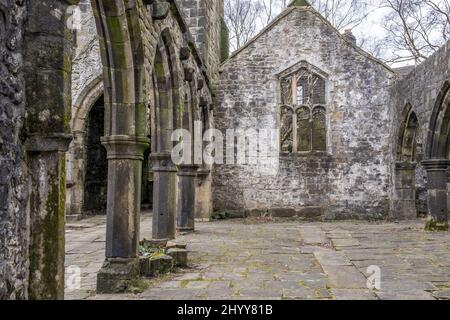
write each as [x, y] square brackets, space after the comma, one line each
[47, 58]
[187, 175]
[47, 164]
[164, 197]
[437, 193]
[404, 203]
[125, 156]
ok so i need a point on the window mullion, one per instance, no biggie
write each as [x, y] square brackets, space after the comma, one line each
[294, 131]
[311, 129]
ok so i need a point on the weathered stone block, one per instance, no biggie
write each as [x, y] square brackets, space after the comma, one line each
[154, 266]
[176, 245]
[310, 212]
[117, 275]
[235, 214]
[282, 212]
[256, 213]
[179, 256]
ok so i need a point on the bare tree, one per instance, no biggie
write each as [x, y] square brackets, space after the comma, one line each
[241, 17]
[271, 8]
[343, 14]
[415, 28]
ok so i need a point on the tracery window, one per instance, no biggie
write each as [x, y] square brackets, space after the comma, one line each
[303, 112]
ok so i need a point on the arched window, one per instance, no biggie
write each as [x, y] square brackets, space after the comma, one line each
[303, 128]
[406, 150]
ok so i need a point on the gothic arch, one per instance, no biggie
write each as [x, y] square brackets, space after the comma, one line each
[406, 145]
[437, 162]
[439, 127]
[405, 193]
[165, 118]
[88, 96]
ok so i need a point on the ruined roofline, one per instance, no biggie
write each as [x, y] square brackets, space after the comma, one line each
[445, 47]
[287, 12]
[187, 35]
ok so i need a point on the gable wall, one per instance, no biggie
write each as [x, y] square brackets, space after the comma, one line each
[353, 179]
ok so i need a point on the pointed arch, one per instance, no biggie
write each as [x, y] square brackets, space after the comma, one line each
[438, 132]
[406, 145]
[87, 98]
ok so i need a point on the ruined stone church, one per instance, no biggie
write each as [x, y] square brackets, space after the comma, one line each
[87, 113]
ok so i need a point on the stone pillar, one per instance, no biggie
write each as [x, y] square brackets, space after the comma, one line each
[164, 197]
[437, 193]
[203, 196]
[76, 187]
[47, 164]
[47, 56]
[187, 181]
[404, 203]
[125, 156]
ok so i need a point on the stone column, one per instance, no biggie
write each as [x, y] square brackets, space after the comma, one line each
[404, 203]
[47, 165]
[76, 190]
[203, 196]
[187, 181]
[125, 156]
[47, 57]
[437, 193]
[164, 197]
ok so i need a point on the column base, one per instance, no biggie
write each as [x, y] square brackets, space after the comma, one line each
[433, 225]
[117, 275]
[186, 230]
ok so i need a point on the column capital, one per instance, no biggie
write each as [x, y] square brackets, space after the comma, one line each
[187, 170]
[125, 147]
[162, 162]
[436, 164]
[53, 142]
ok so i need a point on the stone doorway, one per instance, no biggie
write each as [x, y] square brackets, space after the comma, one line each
[88, 165]
[406, 197]
[96, 171]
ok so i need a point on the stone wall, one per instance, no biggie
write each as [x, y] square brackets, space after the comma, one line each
[87, 65]
[205, 21]
[420, 88]
[353, 178]
[13, 190]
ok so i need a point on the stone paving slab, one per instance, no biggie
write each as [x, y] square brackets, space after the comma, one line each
[238, 259]
[353, 294]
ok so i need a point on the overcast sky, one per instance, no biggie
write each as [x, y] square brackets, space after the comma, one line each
[372, 26]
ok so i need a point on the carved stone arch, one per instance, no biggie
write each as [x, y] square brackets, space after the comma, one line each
[122, 53]
[439, 125]
[406, 144]
[303, 64]
[166, 40]
[165, 118]
[405, 193]
[437, 164]
[88, 96]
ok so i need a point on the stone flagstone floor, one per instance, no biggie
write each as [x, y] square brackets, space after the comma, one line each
[250, 259]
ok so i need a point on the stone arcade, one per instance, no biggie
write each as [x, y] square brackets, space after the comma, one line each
[87, 113]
